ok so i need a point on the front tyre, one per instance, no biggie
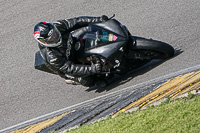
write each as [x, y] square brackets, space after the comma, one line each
[155, 49]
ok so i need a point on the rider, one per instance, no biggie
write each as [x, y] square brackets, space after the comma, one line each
[57, 49]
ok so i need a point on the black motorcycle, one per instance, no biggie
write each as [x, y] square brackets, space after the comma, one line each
[115, 47]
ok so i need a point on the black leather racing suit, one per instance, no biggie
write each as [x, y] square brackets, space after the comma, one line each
[61, 59]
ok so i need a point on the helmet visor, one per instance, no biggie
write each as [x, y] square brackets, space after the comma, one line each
[53, 40]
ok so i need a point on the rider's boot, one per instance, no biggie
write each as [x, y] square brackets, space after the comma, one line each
[89, 81]
[85, 81]
[69, 81]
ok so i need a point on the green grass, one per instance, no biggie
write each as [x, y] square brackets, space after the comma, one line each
[180, 116]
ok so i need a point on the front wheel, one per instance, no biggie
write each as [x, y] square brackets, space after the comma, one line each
[153, 49]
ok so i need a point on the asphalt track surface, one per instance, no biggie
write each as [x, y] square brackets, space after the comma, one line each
[27, 93]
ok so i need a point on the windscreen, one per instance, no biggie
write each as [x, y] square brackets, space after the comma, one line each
[97, 37]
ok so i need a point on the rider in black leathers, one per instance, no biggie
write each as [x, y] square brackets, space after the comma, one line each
[57, 49]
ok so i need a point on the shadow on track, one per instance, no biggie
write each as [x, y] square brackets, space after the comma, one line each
[122, 79]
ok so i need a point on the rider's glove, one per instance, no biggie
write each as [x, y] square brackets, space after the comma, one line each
[104, 18]
[97, 67]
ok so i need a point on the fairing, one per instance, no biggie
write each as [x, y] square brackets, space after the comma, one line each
[103, 39]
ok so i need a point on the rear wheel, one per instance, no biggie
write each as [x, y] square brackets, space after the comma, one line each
[152, 49]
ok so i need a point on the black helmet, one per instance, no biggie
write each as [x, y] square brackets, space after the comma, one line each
[47, 34]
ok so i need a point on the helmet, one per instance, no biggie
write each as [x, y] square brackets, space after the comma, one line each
[47, 34]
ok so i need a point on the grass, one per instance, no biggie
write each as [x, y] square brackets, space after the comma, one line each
[180, 116]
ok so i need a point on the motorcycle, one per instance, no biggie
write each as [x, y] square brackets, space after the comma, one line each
[115, 47]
